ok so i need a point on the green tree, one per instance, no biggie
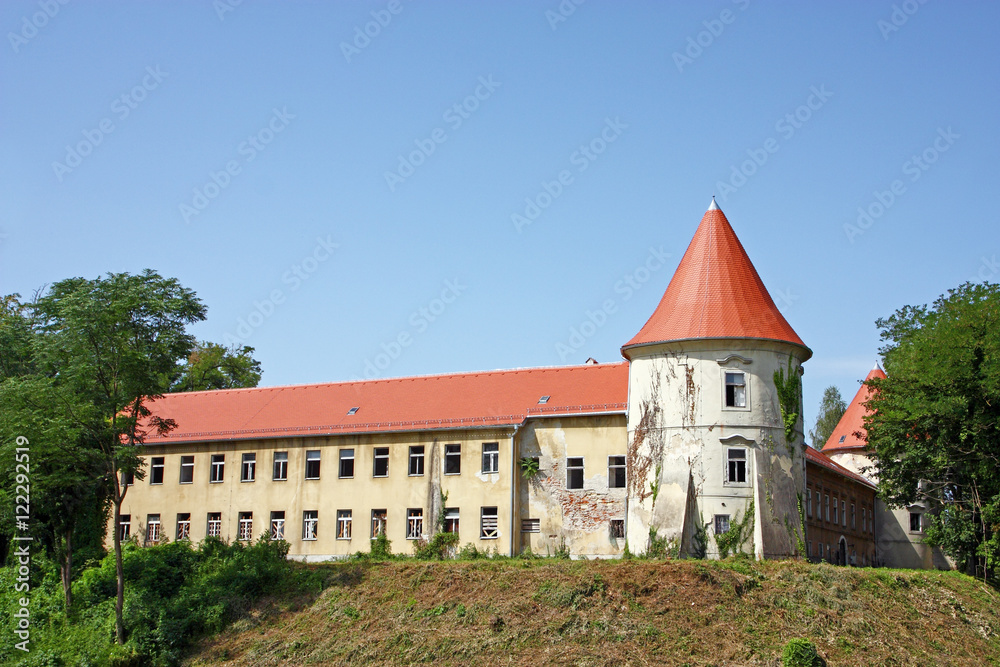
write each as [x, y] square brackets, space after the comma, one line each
[111, 343]
[934, 430]
[831, 409]
[212, 366]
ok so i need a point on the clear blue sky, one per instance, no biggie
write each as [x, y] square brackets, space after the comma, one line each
[308, 129]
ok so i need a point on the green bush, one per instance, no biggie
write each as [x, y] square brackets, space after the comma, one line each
[801, 653]
[381, 548]
[438, 548]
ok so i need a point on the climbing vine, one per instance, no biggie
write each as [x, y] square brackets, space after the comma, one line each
[733, 539]
[789, 389]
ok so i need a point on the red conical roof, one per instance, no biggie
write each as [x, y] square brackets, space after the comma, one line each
[715, 293]
[853, 421]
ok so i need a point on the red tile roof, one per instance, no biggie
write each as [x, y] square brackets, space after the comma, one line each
[852, 422]
[821, 459]
[715, 293]
[460, 400]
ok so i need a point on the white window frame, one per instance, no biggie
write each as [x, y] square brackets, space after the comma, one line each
[920, 522]
[153, 533]
[217, 469]
[380, 454]
[187, 463]
[489, 523]
[836, 512]
[726, 372]
[531, 525]
[248, 467]
[277, 525]
[843, 513]
[572, 468]
[310, 525]
[214, 527]
[380, 518]
[729, 461]
[453, 454]
[415, 467]
[414, 523]
[313, 456]
[244, 527]
[491, 458]
[826, 502]
[155, 468]
[452, 520]
[345, 520]
[183, 526]
[616, 464]
[721, 523]
[124, 526]
[346, 458]
[809, 505]
[279, 467]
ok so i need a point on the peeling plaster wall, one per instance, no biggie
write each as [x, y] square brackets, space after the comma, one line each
[578, 518]
[690, 438]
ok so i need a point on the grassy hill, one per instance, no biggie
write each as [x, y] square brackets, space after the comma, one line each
[545, 612]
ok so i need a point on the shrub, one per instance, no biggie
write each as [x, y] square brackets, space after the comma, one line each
[439, 547]
[381, 547]
[801, 653]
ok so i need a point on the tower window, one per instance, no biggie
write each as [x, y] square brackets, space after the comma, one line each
[736, 390]
[736, 465]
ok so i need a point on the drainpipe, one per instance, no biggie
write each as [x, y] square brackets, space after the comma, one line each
[513, 485]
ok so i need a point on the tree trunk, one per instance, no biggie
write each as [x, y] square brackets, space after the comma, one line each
[66, 568]
[119, 569]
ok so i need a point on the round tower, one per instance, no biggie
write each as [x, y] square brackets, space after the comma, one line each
[715, 456]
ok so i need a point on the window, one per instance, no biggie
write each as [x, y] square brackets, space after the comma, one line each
[152, 527]
[452, 459]
[491, 457]
[819, 507]
[531, 525]
[214, 524]
[617, 527]
[381, 468]
[312, 464]
[416, 460]
[187, 469]
[346, 463]
[277, 525]
[574, 473]
[128, 478]
[488, 524]
[836, 516]
[721, 524]
[842, 438]
[826, 501]
[736, 390]
[914, 522]
[344, 519]
[310, 524]
[218, 471]
[736, 466]
[156, 471]
[124, 526]
[451, 520]
[809, 507]
[184, 526]
[809, 548]
[353, 411]
[616, 472]
[280, 469]
[248, 471]
[871, 524]
[864, 521]
[843, 513]
[854, 518]
[378, 523]
[414, 523]
[246, 526]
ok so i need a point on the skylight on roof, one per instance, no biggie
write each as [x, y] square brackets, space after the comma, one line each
[543, 399]
[353, 410]
[842, 438]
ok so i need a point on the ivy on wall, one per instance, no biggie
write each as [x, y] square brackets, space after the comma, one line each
[789, 390]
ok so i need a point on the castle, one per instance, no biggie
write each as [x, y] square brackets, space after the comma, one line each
[693, 444]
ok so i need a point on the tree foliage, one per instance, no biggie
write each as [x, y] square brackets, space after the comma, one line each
[212, 366]
[831, 409]
[934, 430]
